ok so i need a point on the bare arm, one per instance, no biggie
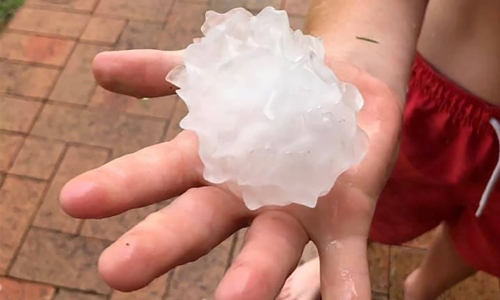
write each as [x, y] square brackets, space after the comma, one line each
[379, 36]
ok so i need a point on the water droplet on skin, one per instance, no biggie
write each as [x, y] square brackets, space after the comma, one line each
[350, 288]
[328, 117]
[335, 244]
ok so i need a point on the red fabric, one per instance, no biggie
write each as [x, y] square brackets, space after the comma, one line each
[448, 153]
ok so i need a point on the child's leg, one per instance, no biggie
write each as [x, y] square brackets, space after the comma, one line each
[441, 269]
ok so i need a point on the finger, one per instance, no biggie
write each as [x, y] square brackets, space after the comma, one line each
[138, 73]
[344, 269]
[150, 175]
[180, 233]
[273, 247]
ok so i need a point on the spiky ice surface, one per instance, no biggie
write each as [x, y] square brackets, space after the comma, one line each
[275, 126]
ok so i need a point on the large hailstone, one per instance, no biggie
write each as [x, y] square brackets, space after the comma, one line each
[275, 126]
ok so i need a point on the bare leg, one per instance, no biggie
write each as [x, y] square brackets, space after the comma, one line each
[441, 269]
[304, 283]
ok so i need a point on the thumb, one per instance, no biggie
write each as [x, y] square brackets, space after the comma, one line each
[344, 269]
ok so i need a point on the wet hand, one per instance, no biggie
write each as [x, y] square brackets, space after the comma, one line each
[202, 216]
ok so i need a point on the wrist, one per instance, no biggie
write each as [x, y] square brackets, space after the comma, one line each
[379, 37]
[393, 73]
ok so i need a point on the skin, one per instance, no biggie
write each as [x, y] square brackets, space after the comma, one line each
[166, 239]
[460, 39]
[203, 216]
[395, 25]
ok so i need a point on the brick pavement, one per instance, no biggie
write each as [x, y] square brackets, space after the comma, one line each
[56, 123]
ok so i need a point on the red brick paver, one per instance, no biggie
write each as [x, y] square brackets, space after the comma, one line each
[56, 123]
[77, 73]
[104, 30]
[25, 80]
[36, 49]
[53, 23]
[20, 290]
[18, 114]
[82, 6]
[20, 198]
[77, 160]
[37, 158]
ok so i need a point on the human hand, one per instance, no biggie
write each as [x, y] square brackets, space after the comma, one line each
[203, 216]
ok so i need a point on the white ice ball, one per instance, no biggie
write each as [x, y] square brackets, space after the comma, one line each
[275, 126]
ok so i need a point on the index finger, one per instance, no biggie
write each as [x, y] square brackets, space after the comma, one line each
[137, 73]
[151, 175]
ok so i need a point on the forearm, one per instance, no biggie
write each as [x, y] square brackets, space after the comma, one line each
[392, 28]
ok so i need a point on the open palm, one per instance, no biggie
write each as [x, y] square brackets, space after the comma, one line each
[203, 216]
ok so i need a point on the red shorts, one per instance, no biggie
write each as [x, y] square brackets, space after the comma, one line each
[449, 150]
